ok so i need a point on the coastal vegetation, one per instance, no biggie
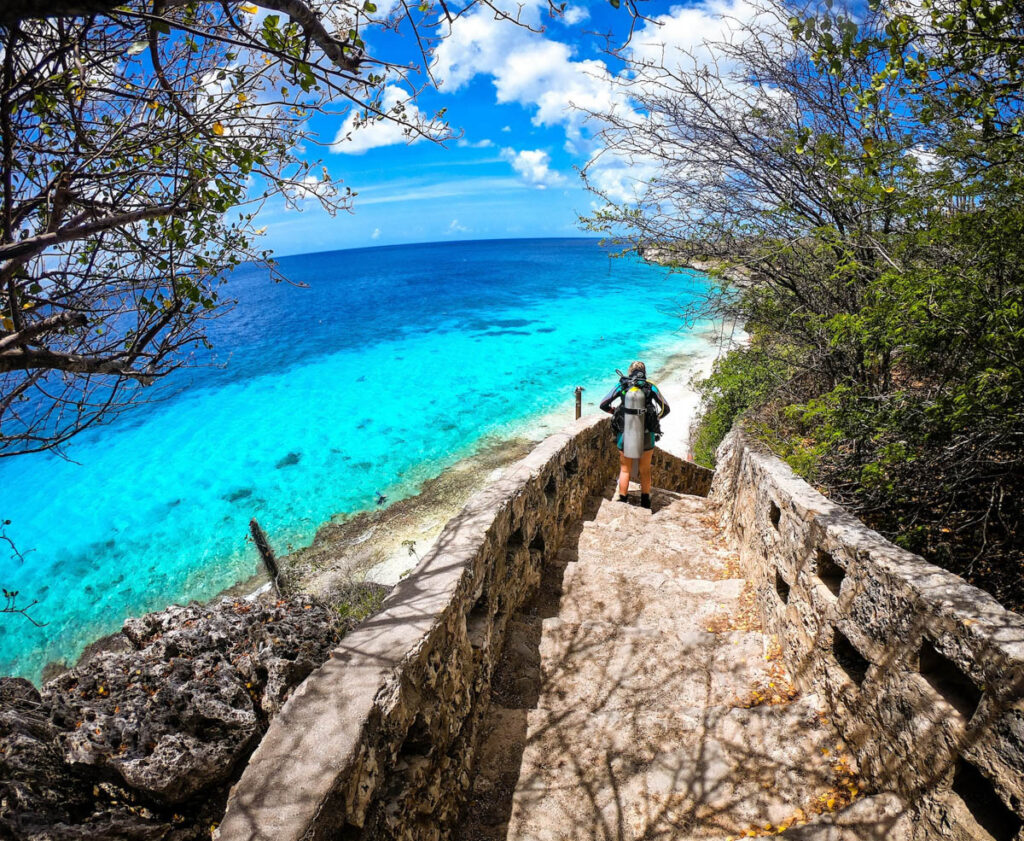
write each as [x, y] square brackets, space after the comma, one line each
[865, 172]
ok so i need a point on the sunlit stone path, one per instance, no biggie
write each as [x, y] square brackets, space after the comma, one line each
[639, 699]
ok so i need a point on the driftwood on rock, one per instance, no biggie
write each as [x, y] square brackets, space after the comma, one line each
[267, 555]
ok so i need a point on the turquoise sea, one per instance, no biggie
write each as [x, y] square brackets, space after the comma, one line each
[393, 364]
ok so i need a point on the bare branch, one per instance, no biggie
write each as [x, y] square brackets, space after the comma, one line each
[31, 246]
[35, 329]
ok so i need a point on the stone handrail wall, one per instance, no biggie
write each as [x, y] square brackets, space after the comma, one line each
[675, 474]
[379, 741]
[922, 673]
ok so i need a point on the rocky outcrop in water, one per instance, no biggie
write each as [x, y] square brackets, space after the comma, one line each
[669, 256]
[143, 743]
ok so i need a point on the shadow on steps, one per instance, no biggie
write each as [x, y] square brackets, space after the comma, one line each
[515, 690]
[618, 715]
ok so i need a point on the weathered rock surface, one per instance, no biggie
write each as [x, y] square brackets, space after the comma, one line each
[667, 255]
[142, 743]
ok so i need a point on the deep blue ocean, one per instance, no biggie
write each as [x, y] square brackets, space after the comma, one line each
[392, 365]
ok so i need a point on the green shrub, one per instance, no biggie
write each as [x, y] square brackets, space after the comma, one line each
[741, 379]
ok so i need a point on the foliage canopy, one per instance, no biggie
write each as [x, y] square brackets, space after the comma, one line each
[860, 178]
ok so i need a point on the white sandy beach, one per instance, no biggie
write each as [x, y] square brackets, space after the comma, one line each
[676, 384]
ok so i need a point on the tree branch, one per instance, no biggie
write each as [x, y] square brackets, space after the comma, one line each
[31, 246]
[25, 359]
[10, 606]
[43, 325]
[14, 11]
[310, 22]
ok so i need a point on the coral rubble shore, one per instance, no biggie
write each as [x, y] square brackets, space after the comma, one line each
[143, 742]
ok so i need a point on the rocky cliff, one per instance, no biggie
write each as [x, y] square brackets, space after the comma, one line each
[142, 742]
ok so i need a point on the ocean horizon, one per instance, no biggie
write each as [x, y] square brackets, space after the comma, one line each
[391, 365]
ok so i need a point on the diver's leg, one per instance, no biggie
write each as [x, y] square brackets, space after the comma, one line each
[625, 466]
[645, 471]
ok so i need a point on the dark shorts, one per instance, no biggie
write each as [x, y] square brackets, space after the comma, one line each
[648, 442]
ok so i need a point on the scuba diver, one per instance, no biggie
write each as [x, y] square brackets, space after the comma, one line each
[636, 425]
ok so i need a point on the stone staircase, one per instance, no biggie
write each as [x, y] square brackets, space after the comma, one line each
[638, 698]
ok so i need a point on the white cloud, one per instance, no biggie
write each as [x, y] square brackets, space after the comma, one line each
[546, 77]
[926, 160]
[456, 228]
[506, 129]
[533, 166]
[526, 68]
[575, 14]
[543, 75]
[687, 36]
[684, 41]
[620, 180]
[407, 190]
[352, 139]
[375, 234]
[480, 144]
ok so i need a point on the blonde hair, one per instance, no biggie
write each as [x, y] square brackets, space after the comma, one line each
[636, 367]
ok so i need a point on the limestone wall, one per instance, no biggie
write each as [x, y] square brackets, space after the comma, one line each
[378, 742]
[675, 474]
[923, 673]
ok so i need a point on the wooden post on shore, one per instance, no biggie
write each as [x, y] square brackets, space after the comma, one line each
[259, 537]
[579, 401]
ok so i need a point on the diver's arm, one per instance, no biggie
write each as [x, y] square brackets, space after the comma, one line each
[606, 404]
[661, 402]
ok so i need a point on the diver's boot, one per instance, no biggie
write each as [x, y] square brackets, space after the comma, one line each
[645, 501]
[623, 497]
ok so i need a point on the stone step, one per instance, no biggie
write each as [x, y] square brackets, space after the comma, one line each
[631, 522]
[692, 772]
[680, 535]
[604, 665]
[687, 555]
[651, 594]
[661, 501]
[636, 700]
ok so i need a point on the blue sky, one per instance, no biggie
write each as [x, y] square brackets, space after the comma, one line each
[512, 93]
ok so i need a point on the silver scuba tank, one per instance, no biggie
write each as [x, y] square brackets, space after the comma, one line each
[635, 403]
